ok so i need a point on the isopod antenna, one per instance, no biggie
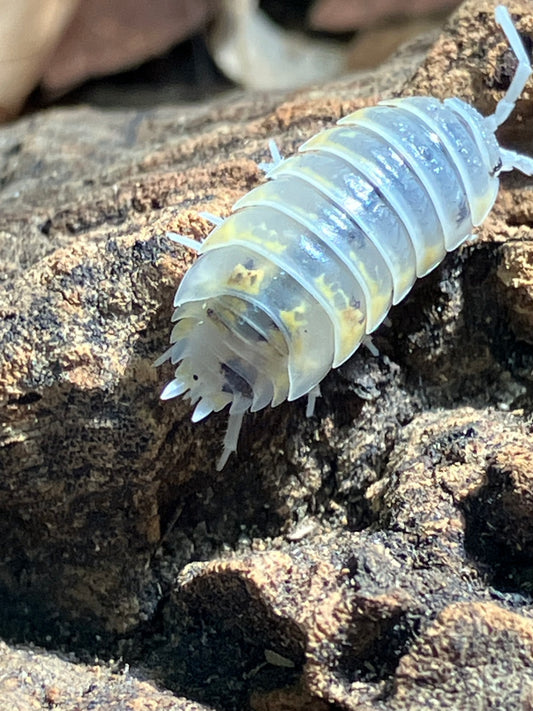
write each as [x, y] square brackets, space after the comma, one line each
[523, 70]
[504, 108]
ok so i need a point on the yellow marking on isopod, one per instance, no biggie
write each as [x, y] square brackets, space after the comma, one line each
[379, 308]
[246, 280]
[296, 322]
[327, 290]
[295, 318]
[379, 302]
[271, 243]
[349, 330]
[482, 205]
[432, 256]
[263, 235]
[353, 330]
[232, 232]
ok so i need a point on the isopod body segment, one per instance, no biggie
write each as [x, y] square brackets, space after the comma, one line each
[309, 263]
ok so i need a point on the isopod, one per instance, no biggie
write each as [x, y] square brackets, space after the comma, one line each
[309, 263]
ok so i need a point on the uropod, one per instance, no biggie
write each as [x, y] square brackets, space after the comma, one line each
[309, 263]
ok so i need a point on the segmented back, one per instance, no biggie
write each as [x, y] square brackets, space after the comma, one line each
[309, 263]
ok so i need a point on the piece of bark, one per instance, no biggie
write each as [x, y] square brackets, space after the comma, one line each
[107, 493]
[32, 678]
[340, 610]
[444, 663]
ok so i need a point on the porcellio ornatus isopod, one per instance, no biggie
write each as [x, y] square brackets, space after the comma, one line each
[309, 263]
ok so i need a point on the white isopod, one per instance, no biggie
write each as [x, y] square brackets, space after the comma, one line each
[309, 263]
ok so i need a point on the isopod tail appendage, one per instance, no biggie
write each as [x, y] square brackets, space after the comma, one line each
[506, 105]
[231, 438]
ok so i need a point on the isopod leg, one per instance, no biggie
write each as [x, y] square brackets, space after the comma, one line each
[189, 241]
[369, 345]
[523, 70]
[213, 219]
[276, 156]
[230, 439]
[311, 400]
[184, 240]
